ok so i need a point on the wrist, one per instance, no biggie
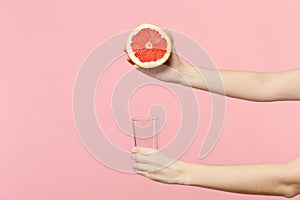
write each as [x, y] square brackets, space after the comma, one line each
[188, 76]
[187, 173]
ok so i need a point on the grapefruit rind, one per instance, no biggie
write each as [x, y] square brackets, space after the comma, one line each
[150, 64]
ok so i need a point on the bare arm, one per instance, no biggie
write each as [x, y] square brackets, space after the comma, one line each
[253, 86]
[262, 179]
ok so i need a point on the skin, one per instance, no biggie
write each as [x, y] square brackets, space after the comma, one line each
[263, 179]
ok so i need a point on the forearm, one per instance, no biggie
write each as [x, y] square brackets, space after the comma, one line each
[267, 179]
[263, 179]
[237, 84]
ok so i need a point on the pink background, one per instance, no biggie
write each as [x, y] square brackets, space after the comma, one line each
[43, 43]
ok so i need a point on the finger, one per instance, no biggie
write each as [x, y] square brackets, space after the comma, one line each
[141, 167]
[125, 49]
[143, 150]
[130, 61]
[169, 34]
[173, 49]
[143, 173]
[140, 158]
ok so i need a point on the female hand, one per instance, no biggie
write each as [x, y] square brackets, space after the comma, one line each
[155, 165]
[170, 71]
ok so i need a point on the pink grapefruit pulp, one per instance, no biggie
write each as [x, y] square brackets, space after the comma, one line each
[148, 46]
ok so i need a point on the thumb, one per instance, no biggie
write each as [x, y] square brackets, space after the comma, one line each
[143, 150]
[172, 40]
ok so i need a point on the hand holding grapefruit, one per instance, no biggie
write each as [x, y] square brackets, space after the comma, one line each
[169, 68]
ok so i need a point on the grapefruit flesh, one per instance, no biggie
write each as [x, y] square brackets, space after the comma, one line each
[148, 46]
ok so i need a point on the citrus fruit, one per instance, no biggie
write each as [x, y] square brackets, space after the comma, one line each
[148, 46]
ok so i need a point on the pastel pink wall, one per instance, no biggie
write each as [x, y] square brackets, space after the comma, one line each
[42, 45]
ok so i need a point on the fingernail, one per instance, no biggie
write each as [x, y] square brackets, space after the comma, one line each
[134, 150]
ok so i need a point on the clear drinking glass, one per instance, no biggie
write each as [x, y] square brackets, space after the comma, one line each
[145, 131]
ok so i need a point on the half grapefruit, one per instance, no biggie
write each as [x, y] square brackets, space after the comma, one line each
[148, 46]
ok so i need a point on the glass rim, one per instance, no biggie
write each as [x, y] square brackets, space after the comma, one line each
[144, 118]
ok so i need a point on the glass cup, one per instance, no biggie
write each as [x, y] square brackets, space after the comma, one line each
[145, 131]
